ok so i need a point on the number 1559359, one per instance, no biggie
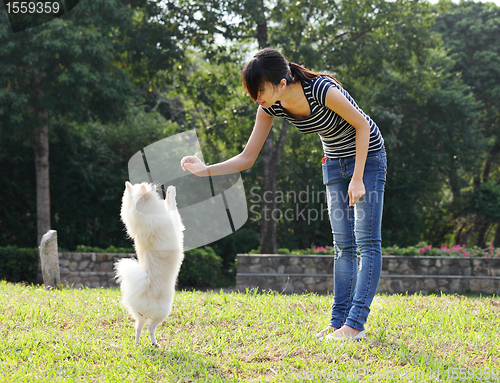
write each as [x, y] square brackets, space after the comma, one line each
[32, 7]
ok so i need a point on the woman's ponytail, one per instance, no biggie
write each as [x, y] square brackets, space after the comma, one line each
[303, 74]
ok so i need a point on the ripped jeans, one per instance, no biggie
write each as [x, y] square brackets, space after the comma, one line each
[355, 227]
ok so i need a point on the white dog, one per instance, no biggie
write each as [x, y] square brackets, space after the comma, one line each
[148, 285]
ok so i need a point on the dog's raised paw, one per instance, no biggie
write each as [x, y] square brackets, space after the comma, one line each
[170, 199]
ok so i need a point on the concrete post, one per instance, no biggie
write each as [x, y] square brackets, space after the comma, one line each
[50, 259]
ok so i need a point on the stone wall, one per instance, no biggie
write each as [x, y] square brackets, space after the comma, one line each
[89, 269]
[313, 273]
[400, 274]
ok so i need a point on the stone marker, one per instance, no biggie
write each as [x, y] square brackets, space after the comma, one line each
[50, 259]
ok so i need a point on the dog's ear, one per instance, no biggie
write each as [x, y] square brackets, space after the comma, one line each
[128, 185]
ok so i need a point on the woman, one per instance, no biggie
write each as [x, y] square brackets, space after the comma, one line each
[354, 172]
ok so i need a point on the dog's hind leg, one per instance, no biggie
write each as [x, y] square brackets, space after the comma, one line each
[139, 324]
[152, 328]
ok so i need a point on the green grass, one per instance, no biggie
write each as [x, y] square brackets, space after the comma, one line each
[85, 336]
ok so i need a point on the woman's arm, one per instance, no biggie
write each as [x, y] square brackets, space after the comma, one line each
[242, 161]
[337, 102]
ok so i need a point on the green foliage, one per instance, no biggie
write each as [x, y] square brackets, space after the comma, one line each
[88, 173]
[429, 122]
[85, 67]
[67, 66]
[470, 32]
[18, 264]
[111, 90]
[485, 199]
[365, 35]
[480, 207]
[90, 164]
[240, 242]
[421, 249]
[17, 199]
[201, 268]
[283, 251]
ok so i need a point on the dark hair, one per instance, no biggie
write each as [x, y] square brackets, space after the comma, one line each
[270, 65]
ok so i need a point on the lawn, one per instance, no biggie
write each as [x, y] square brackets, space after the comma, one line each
[85, 336]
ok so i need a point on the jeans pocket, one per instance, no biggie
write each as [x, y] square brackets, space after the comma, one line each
[383, 168]
[383, 162]
[373, 163]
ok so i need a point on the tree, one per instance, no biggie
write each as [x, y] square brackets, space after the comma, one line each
[75, 68]
[434, 143]
[341, 39]
[470, 32]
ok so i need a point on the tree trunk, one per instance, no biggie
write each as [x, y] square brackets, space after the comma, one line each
[261, 32]
[270, 159]
[496, 240]
[494, 150]
[483, 225]
[41, 148]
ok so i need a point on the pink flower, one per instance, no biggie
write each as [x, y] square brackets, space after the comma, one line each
[442, 248]
[422, 250]
[466, 254]
[491, 246]
[456, 248]
[320, 248]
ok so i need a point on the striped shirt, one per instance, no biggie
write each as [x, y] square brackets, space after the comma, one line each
[337, 135]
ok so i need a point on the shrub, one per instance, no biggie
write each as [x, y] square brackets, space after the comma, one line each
[422, 249]
[18, 264]
[200, 268]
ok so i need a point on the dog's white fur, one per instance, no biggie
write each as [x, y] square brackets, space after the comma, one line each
[148, 285]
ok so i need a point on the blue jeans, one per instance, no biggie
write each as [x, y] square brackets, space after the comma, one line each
[354, 227]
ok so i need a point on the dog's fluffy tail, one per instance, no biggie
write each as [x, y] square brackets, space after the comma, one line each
[133, 279]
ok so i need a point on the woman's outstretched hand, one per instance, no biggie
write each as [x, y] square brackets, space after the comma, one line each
[194, 165]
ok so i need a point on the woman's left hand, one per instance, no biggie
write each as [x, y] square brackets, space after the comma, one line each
[356, 190]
